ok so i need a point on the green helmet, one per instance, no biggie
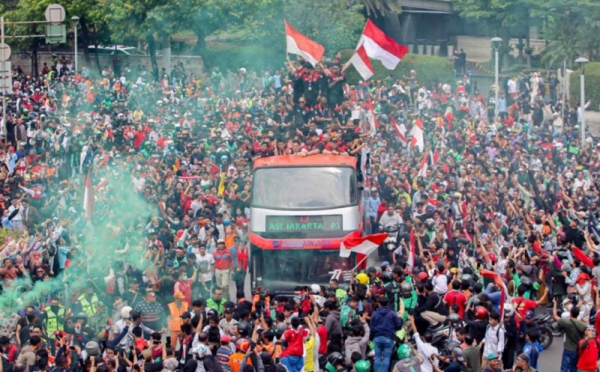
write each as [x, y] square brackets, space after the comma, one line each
[362, 366]
[330, 368]
[404, 352]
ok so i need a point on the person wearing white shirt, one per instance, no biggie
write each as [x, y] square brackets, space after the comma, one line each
[424, 348]
[494, 340]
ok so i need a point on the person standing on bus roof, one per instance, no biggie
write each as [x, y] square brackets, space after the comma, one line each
[372, 205]
[315, 146]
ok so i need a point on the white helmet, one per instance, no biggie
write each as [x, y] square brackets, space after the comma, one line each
[201, 351]
[509, 310]
[126, 312]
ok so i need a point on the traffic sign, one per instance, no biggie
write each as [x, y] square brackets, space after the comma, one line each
[55, 13]
[6, 77]
[5, 52]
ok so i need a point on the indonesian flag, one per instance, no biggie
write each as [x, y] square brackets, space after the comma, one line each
[400, 131]
[301, 45]
[363, 245]
[412, 242]
[581, 256]
[361, 63]
[380, 46]
[423, 166]
[88, 197]
[417, 135]
[435, 157]
[371, 119]
[504, 296]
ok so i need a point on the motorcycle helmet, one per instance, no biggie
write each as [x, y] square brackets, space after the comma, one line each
[81, 316]
[406, 290]
[371, 270]
[525, 281]
[362, 366]
[386, 277]
[242, 344]
[384, 265]
[362, 278]
[404, 352]
[126, 312]
[509, 310]
[335, 359]
[454, 318]
[481, 313]
[244, 329]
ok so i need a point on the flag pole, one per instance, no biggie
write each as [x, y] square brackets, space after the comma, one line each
[358, 264]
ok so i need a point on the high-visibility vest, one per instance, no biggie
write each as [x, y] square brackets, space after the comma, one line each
[88, 308]
[52, 323]
[175, 315]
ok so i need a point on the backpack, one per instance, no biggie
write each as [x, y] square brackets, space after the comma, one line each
[345, 316]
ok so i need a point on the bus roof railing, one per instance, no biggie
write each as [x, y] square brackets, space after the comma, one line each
[311, 160]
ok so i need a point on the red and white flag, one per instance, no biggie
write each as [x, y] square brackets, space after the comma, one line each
[423, 166]
[361, 63]
[363, 245]
[88, 197]
[435, 157]
[504, 295]
[412, 242]
[300, 45]
[371, 119]
[417, 135]
[400, 131]
[381, 47]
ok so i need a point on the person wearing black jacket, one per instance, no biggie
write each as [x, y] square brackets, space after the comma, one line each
[434, 309]
[511, 330]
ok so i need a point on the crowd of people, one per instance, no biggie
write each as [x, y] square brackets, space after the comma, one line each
[496, 215]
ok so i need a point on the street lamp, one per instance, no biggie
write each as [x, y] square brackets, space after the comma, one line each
[581, 61]
[75, 23]
[496, 44]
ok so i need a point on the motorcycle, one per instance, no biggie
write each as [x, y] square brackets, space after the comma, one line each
[544, 321]
[391, 242]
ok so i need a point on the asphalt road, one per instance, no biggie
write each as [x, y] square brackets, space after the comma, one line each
[550, 358]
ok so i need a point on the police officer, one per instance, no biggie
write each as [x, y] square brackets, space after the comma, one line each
[54, 318]
[87, 302]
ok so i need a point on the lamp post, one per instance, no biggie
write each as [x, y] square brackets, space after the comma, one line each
[496, 44]
[582, 61]
[75, 23]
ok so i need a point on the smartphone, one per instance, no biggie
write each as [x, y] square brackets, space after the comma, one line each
[277, 360]
[168, 340]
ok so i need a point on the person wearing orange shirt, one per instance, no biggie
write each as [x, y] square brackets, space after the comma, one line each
[178, 314]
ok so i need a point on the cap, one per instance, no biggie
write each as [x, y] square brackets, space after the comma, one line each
[492, 356]
[225, 339]
[385, 264]
[457, 351]
[422, 275]
[373, 189]
[228, 310]
[179, 295]
[315, 288]
[221, 241]
[186, 315]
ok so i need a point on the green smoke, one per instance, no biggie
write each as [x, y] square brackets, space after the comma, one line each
[113, 237]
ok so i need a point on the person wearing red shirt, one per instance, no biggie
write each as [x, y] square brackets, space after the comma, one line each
[292, 356]
[456, 297]
[223, 264]
[587, 350]
[184, 285]
[523, 305]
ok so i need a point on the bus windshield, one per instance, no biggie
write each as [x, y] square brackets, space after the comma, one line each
[304, 188]
[301, 267]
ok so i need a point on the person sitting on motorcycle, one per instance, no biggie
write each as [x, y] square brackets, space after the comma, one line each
[434, 310]
[390, 220]
[409, 359]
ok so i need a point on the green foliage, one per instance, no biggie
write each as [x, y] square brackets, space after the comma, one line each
[592, 83]
[430, 69]
[253, 57]
[336, 24]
